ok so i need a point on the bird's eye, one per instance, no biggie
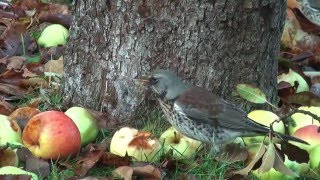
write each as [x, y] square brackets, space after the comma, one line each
[153, 80]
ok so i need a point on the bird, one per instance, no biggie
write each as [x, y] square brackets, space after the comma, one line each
[201, 115]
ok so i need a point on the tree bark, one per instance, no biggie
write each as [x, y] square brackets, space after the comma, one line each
[215, 44]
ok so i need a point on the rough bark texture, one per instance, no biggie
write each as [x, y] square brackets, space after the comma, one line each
[215, 44]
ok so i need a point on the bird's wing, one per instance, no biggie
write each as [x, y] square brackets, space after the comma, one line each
[202, 106]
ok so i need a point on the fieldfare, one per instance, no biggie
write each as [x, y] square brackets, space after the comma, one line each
[201, 115]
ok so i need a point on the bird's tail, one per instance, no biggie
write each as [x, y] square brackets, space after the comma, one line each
[286, 137]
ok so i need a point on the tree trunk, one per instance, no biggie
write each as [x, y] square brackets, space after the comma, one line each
[215, 44]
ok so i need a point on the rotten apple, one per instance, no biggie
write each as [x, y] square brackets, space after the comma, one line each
[140, 145]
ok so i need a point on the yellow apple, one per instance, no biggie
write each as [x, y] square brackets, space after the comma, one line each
[53, 35]
[299, 119]
[140, 145]
[182, 146]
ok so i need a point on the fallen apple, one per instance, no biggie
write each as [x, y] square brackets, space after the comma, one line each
[299, 119]
[53, 35]
[291, 77]
[87, 124]
[140, 145]
[265, 118]
[51, 135]
[11, 170]
[310, 134]
[182, 146]
[314, 155]
[9, 131]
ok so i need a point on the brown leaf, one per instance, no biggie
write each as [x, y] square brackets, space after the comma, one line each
[93, 155]
[232, 153]
[15, 62]
[267, 159]
[256, 158]
[23, 154]
[124, 172]
[147, 172]
[6, 108]
[8, 157]
[295, 153]
[110, 159]
[22, 115]
[285, 89]
[281, 167]
[12, 89]
[38, 166]
[304, 98]
[54, 66]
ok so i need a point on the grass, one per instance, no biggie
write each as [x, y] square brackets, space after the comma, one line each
[202, 166]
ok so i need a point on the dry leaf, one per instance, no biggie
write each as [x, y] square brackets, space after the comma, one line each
[124, 172]
[232, 153]
[281, 167]
[267, 159]
[147, 172]
[110, 159]
[256, 158]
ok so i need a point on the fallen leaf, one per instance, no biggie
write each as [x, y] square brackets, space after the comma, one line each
[124, 172]
[54, 66]
[147, 172]
[91, 157]
[6, 108]
[8, 157]
[233, 153]
[257, 157]
[304, 98]
[110, 159]
[38, 166]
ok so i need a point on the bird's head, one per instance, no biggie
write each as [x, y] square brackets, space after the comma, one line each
[166, 84]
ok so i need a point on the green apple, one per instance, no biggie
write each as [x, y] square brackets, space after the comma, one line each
[11, 170]
[299, 119]
[9, 131]
[142, 146]
[310, 134]
[314, 155]
[265, 118]
[86, 123]
[182, 146]
[291, 77]
[53, 35]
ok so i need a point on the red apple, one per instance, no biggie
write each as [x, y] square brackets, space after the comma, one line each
[309, 134]
[51, 135]
[299, 119]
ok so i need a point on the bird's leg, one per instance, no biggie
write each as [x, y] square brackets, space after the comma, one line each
[216, 149]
